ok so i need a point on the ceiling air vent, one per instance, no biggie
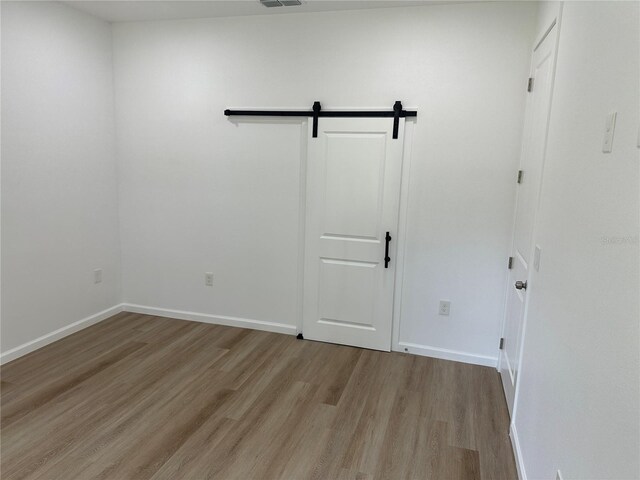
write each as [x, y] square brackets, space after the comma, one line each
[280, 3]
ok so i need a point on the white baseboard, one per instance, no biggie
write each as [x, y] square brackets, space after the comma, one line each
[213, 319]
[446, 354]
[65, 331]
[517, 453]
[228, 321]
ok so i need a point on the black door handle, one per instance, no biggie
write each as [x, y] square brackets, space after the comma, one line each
[387, 258]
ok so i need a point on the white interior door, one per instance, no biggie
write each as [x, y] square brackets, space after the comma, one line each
[531, 163]
[353, 194]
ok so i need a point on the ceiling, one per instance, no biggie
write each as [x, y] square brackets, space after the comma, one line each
[140, 10]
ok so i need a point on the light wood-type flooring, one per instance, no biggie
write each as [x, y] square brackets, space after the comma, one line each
[142, 397]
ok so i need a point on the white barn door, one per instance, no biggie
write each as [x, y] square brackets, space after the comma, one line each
[353, 194]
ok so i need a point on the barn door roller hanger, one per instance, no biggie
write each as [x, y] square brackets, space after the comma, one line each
[317, 112]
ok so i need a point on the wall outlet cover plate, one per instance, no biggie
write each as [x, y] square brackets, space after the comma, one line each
[444, 308]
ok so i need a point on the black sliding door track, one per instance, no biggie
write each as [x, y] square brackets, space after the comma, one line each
[316, 112]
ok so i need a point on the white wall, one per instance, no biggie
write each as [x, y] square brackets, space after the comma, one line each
[200, 193]
[59, 193]
[577, 408]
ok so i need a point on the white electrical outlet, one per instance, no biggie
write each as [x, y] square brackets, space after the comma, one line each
[445, 307]
[97, 275]
[208, 279]
[558, 475]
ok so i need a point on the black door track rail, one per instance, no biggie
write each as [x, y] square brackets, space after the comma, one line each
[317, 112]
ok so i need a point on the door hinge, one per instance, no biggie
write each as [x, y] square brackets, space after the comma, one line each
[520, 175]
[502, 343]
[530, 85]
[510, 263]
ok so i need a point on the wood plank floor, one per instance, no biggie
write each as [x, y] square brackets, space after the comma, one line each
[142, 397]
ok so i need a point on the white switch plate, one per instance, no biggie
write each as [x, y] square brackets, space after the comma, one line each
[208, 279]
[536, 258]
[97, 275]
[609, 129]
[445, 307]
